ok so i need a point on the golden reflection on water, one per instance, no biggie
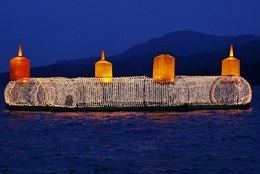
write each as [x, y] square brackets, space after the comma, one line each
[27, 115]
[234, 111]
[21, 119]
[98, 115]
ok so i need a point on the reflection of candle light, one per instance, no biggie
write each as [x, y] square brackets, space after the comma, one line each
[22, 80]
[227, 79]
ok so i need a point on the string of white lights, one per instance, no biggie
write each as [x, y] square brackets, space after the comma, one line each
[138, 91]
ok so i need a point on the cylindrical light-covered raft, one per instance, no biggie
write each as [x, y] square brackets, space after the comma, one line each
[164, 91]
[128, 93]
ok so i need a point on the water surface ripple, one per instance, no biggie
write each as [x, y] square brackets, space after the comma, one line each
[223, 141]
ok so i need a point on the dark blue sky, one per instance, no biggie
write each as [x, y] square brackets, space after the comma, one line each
[53, 30]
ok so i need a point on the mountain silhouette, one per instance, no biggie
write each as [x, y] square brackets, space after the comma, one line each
[195, 53]
[185, 43]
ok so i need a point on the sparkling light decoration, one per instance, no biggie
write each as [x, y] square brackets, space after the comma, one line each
[139, 91]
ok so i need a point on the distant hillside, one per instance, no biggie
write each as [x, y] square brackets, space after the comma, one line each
[185, 43]
[195, 53]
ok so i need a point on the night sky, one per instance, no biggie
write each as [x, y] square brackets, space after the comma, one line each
[52, 30]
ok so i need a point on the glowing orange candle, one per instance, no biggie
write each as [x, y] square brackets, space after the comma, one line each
[103, 68]
[164, 68]
[19, 66]
[230, 65]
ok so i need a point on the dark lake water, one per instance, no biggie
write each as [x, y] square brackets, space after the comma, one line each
[223, 141]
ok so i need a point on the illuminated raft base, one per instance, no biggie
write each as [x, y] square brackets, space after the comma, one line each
[128, 93]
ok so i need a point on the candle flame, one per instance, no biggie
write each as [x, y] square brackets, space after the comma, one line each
[231, 53]
[20, 51]
[102, 54]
